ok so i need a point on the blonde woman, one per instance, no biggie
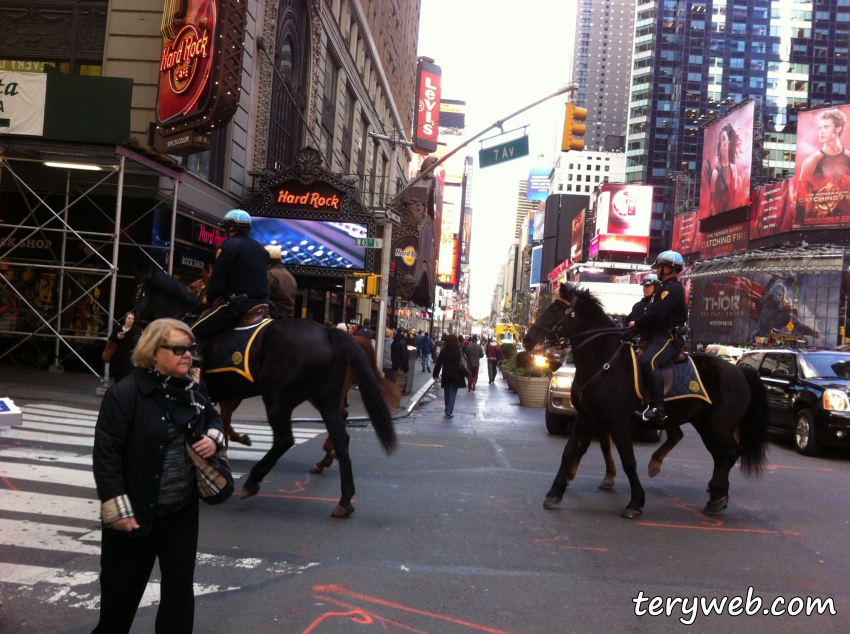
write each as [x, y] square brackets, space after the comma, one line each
[146, 480]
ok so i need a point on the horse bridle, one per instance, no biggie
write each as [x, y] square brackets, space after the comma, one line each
[571, 312]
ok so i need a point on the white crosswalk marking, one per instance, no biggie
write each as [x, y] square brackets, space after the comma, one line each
[45, 456]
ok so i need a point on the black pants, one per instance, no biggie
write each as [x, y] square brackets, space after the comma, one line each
[213, 321]
[660, 351]
[126, 565]
[491, 368]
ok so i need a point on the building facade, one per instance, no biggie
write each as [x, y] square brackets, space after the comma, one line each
[692, 61]
[602, 66]
[580, 173]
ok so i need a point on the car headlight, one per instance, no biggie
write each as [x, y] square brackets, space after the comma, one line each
[563, 382]
[836, 400]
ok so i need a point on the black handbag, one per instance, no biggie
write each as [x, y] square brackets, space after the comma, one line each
[465, 369]
[213, 474]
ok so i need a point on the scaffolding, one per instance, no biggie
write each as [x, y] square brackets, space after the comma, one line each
[40, 296]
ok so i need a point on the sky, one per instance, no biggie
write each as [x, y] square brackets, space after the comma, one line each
[500, 57]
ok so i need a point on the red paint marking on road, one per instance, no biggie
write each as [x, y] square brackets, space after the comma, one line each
[566, 538]
[382, 620]
[602, 550]
[336, 589]
[9, 484]
[416, 444]
[358, 616]
[718, 528]
[298, 497]
[299, 489]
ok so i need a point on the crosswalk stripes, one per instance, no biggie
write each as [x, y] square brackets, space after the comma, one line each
[49, 457]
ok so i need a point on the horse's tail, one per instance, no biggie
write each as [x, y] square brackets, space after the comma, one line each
[753, 426]
[370, 388]
[389, 389]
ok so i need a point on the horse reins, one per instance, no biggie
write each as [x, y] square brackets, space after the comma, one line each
[593, 334]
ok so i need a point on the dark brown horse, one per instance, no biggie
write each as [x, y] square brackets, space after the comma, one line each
[293, 360]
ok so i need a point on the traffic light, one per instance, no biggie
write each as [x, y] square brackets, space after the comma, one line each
[362, 285]
[572, 128]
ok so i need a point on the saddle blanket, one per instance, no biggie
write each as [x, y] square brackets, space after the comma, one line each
[681, 380]
[234, 350]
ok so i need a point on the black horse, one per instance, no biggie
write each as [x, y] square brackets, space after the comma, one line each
[291, 361]
[733, 426]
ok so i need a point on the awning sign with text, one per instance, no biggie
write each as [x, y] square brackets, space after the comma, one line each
[22, 98]
[729, 239]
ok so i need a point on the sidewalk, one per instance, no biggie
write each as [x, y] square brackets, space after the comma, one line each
[25, 385]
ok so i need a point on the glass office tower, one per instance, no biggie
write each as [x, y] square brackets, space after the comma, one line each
[692, 61]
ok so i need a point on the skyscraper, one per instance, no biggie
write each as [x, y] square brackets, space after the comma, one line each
[601, 66]
[692, 61]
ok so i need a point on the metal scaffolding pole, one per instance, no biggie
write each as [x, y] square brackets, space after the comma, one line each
[114, 268]
[173, 230]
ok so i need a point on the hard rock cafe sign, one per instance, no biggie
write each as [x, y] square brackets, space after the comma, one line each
[200, 71]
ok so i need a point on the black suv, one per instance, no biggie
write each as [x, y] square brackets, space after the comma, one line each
[807, 393]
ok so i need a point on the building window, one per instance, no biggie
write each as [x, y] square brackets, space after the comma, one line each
[329, 89]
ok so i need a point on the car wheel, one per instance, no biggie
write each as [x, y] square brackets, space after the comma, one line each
[804, 433]
[558, 424]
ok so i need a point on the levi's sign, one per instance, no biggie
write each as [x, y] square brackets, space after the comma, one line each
[427, 108]
[503, 153]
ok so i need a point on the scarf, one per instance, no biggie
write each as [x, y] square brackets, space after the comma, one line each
[180, 394]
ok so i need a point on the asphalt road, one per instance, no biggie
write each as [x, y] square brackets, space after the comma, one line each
[449, 535]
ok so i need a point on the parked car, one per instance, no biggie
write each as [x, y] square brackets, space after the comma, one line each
[560, 413]
[807, 395]
[730, 353]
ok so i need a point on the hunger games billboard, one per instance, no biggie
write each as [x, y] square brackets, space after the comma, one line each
[822, 170]
[200, 64]
[727, 154]
[623, 213]
[686, 233]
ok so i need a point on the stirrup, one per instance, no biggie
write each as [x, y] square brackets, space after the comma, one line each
[656, 418]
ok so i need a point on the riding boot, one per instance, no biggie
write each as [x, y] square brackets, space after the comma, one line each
[655, 412]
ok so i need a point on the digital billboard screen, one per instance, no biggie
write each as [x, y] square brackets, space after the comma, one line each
[577, 242]
[773, 209]
[537, 187]
[822, 169]
[686, 233]
[316, 243]
[623, 214]
[727, 155]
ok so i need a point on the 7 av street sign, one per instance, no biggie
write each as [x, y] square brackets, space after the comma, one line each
[503, 153]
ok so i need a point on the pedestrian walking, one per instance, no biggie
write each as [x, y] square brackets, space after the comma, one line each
[146, 480]
[365, 331]
[387, 361]
[448, 363]
[124, 340]
[474, 352]
[400, 360]
[494, 355]
[426, 349]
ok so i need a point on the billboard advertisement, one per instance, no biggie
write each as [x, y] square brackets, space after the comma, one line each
[466, 235]
[686, 233]
[452, 114]
[726, 240]
[539, 226]
[577, 243]
[536, 265]
[426, 129]
[822, 169]
[318, 243]
[623, 214]
[773, 209]
[537, 188]
[744, 308]
[727, 155]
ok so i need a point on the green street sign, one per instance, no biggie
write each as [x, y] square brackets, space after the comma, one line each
[503, 153]
[369, 243]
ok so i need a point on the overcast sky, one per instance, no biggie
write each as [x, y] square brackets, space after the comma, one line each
[499, 57]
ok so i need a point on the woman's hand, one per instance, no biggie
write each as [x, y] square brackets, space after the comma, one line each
[127, 524]
[205, 447]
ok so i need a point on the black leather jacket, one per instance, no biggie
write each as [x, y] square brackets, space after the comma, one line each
[129, 444]
[240, 269]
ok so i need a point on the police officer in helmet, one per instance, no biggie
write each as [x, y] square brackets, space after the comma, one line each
[238, 281]
[666, 313]
[649, 283]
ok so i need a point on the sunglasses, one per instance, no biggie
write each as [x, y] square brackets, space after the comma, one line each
[181, 350]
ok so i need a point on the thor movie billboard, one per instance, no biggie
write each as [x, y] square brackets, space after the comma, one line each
[623, 213]
[822, 169]
[727, 155]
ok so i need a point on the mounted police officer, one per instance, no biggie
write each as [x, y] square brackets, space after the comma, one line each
[238, 281]
[666, 314]
[649, 283]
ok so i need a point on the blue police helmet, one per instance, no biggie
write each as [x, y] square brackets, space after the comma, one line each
[651, 280]
[671, 259]
[236, 218]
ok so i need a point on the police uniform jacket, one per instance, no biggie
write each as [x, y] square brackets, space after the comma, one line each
[240, 269]
[638, 310]
[667, 309]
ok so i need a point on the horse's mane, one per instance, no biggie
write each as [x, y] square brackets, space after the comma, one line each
[585, 294]
[161, 282]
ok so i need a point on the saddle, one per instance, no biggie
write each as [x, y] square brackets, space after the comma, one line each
[667, 368]
[253, 317]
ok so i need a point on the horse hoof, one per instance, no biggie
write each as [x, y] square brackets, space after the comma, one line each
[316, 468]
[631, 514]
[551, 501]
[244, 439]
[606, 485]
[654, 469]
[342, 512]
[716, 506]
[249, 490]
